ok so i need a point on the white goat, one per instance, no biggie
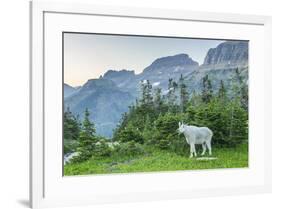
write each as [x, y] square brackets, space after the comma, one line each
[197, 135]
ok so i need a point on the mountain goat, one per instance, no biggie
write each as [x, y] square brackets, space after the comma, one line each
[196, 135]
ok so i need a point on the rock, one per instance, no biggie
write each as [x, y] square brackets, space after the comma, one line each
[206, 158]
[68, 157]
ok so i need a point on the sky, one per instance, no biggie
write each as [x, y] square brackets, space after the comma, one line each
[88, 56]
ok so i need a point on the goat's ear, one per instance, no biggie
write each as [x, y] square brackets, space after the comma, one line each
[179, 124]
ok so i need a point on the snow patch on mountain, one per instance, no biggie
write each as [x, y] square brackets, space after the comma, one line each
[156, 84]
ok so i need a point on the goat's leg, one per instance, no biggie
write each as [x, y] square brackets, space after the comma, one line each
[209, 147]
[191, 151]
[204, 149]
[194, 150]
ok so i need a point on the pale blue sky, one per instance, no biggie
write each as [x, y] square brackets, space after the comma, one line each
[88, 56]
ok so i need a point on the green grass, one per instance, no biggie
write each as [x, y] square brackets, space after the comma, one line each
[160, 160]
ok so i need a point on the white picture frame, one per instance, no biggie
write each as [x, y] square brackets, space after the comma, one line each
[49, 188]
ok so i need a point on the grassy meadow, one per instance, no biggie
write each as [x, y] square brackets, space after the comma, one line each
[160, 160]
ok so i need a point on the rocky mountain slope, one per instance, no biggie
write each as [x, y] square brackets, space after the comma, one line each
[105, 101]
[164, 68]
[221, 63]
[68, 90]
[228, 54]
[121, 78]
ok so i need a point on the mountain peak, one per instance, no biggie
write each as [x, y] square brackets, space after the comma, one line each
[178, 59]
[98, 83]
[227, 54]
[115, 73]
[68, 90]
[120, 78]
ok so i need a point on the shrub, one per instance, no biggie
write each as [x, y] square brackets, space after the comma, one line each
[163, 144]
[166, 130]
[101, 149]
[130, 133]
[178, 144]
[69, 146]
[168, 124]
[83, 155]
[130, 148]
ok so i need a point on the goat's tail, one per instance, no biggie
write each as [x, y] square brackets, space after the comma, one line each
[211, 134]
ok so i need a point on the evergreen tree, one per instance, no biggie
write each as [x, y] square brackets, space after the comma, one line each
[242, 90]
[146, 133]
[237, 125]
[238, 76]
[122, 124]
[170, 92]
[222, 91]
[130, 133]
[183, 93]
[146, 92]
[195, 99]
[172, 98]
[88, 126]
[149, 95]
[87, 138]
[244, 96]
[71, 126]
[158, 102]
[236, 82]
[137, 102]
[207, 91]
[142, 92]
[71, 130]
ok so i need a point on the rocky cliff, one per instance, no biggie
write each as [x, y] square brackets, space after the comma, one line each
[227, 55]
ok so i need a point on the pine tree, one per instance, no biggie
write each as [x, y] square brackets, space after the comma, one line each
[143, 92]
[149, 95]
[146, 92]
[88, 126]
[172, 98]
[71, 130]
[122, 124]
[70, 126]
[183, 93]
[238, 76]
[130, 133]
[222, 91]
[137, 102]
[158, 102]
[195, 98]
[87, 138]
[244, 96]
[170, 92]
[207, 91]
[238, 123]
[146, 133]
[242, 90]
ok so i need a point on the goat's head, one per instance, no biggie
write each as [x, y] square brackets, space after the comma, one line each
[181, 128]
